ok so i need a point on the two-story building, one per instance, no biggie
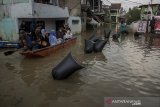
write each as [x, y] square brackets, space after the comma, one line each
[148, 11]
[92, 12]
[74, 20]
[107, 13]
[115, 12]
[45, 12]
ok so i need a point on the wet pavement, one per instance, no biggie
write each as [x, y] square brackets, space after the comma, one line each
[128, 66]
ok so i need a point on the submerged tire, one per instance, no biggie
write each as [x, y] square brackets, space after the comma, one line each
[88, 48]
[65, 68]
[99, 45]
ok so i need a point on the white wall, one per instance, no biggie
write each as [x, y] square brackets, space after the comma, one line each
[49, 11]
[75, 28]
[37, 10]
[9, 29]
[21, 10]
[9, 14]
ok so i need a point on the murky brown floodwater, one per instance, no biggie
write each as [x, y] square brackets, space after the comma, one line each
[128, 67]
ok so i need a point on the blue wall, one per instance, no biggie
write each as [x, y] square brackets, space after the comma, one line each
[8, 29]
[13, 1]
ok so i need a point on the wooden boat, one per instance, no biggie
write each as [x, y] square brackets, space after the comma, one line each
[48, 50]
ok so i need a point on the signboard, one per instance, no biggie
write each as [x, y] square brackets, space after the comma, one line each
[142, 26]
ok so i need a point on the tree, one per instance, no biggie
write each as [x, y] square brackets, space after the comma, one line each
[133, 15]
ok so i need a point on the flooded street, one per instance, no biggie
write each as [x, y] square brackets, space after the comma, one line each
[127, 67]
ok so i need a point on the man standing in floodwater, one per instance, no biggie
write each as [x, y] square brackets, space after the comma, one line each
[152, 24]
[123, 29]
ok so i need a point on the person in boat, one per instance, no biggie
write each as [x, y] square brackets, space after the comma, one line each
[60, 33]
[23, 26]
[22, 38]
[52, 38]
[68, 34]
[152, 24]
[25, 40]
[123, 29]
[37, 39]
[44, 38]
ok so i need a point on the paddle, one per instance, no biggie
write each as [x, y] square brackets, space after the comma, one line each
[9, 52]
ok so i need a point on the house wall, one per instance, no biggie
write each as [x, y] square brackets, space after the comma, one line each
[8, 29]
[75, 24]
[49, 11]
[116, 15]
[74, 7]
[21, 10]
[13, 1]
[11, 11]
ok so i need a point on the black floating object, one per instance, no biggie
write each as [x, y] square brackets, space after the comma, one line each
[65, 68]
[93, 38]
[137, 34]
[9, 52]
[88, 46]
[99, 45]
[107, 33]
[116, 36]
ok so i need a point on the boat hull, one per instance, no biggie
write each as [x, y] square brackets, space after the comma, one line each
[48, 50]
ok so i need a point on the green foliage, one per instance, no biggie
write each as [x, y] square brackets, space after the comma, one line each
[133, 15]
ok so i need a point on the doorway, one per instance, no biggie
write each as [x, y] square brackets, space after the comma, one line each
[59, 23]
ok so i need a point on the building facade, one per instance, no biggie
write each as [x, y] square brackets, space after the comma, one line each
[74, 20]
[115, 12]
[148, 11]
[92, 12]
[45, 12]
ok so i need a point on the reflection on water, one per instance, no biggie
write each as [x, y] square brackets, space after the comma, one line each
[128, 66]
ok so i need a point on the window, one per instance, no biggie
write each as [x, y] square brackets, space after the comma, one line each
[74, 22]
[113, 11]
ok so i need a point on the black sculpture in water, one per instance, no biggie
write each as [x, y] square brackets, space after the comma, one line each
[107, 33]
[99, 45]
[94, 38]
[88, 48]
[95, 44]
[65, 68]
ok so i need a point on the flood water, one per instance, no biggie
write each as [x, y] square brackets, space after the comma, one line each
[127, 67]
